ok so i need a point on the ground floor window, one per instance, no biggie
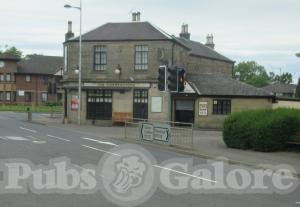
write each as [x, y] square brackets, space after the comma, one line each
[221, 106]
[44, 97]
[99, 104]
[140, 103]
[8, 96]
[27, 96]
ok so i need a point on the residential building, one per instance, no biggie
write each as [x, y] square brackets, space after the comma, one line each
[282, 90]
[37, 79]
[33, 80]
[120, 64]
[8, 68]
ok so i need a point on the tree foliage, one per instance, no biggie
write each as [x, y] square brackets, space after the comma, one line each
[12, 51]
[254, 74]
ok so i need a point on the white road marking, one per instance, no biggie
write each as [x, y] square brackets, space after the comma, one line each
[298, 203]
[63, 139]
[157, 166]
[30, 130]
[39, 142]
[3, 138]
[16, 138]
[93, 148]
[183, 173]
[100, 142]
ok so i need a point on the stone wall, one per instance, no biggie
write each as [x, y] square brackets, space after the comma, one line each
[237, 104]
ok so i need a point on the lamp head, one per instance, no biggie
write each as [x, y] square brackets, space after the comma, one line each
[67, 6]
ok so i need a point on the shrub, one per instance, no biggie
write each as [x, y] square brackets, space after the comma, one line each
[261, 130]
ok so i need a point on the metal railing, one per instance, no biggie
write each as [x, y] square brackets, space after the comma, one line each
[181, 134]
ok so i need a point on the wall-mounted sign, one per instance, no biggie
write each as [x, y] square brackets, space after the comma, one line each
[74, 103]
[155, 131]
[203, 109]
[156, 104]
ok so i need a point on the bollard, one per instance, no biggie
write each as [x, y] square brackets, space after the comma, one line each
[29, 114]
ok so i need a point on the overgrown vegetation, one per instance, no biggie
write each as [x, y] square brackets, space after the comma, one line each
[261, 130]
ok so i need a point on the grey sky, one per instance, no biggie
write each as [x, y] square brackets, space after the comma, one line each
[263, 30]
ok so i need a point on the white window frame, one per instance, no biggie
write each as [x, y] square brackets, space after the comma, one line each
[6, 77]
[28, 78]
[8, 96]
[44, 99]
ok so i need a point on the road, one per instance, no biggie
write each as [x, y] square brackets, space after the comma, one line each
[40, 143]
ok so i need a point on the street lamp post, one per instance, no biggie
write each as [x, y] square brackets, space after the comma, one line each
[79, 59]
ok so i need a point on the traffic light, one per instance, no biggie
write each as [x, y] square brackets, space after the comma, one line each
[172, 79]
[181, 79]
[162, 78]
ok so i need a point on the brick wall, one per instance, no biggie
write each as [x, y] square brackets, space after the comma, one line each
[36, 86]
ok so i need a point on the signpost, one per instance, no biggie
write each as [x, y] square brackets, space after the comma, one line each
[155, 132]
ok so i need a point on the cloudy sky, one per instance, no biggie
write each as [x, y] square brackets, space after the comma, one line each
[267, 31]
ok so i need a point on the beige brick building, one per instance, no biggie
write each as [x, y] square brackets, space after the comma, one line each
[120, 64]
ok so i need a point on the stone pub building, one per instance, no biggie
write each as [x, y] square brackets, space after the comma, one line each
[120, 64]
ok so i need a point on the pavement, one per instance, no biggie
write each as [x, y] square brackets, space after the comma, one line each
[46, 138]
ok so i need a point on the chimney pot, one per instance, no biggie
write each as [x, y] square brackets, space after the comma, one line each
[210, 41]
[185, 32]
[70, 26]
[136, 16]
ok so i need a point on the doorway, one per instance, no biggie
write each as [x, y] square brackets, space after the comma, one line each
[184, 111]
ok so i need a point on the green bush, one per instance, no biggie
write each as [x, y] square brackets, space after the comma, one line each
[261, 130]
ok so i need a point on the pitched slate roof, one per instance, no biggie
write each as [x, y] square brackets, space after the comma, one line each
[281, 88]
[40, 64]
[146, 31]
[198, 49]
[223, 85]
[124, 31]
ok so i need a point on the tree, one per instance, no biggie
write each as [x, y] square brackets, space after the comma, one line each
[252, 73]
[298, 54]
[285, 78]
[298, 89]
[12, 51]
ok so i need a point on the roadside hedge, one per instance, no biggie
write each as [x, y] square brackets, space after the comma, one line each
[261, 130]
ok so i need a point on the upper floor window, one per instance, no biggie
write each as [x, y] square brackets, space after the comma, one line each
[100, 58]
[221, 106]
[8, 77]
[27, 78]
[141, 57]
[45, 80]
[1, 77]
